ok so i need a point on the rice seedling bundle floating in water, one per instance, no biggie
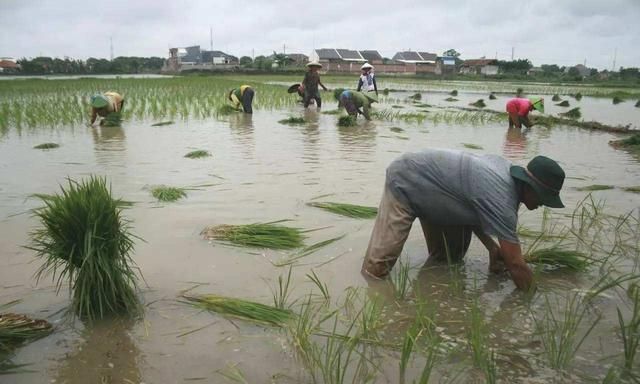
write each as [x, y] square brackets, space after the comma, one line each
[416, 96]
[479, 103]
[17, 329]
[564, 103]
[347, 121]
[454, 92]
[573, 113]
[631, 142]
[578, 96]
[596, 187]
[113, 119]
[47, 146]
[397, 106]
[559, 257]
[243, 309]
[519, 92]
[450, 99]
[332, 112]
[556, 98]
[162, 123]
[385, 91]
[638, 104]
[349, 210]
[472, 146]
[83, 238]
[634, 189]
[258, 235]
[492, 96]
[617, 100]
[292, 120]
[197, 154]
[168, 194]
[396, 129]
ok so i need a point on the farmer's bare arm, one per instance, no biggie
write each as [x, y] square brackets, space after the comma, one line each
[94, 115]
[322, 85]
[493, 248]
[520, 272]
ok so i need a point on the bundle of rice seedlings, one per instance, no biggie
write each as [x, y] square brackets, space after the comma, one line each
[578, 96]
[385, 91]
[573, 113]
[638, 104]
[337, 92]
[197, 154]
[634, 189]
[492, 96]
[450, 99]
[17, 329]
[632, 142]
[162, 123]
[396, 129]
[243, 309]
[560, 257]
[519, 92]
[46, 146]
[479, 103]
[226, 109]
[472, 146]
[347, 121]
[258, 235]
[113, 119]
[292, 120]
[454, 92]
[617, 100]
[349, 210]
[556, 97]
[85, 240]
[595, 187]
[564, 103]
[416, 96]
[332, 112]
[169, 194]
[397, 106]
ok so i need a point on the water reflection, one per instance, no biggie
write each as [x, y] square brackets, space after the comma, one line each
[241, 127]
[361, 136]
[310, 136]
[109, 144]
[108, 355]
[515, 143]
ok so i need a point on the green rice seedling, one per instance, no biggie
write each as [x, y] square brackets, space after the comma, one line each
[564, 103]
[304, 252]
[18, 329]
[397, 106]
[573, 113]
[559, 257]
[232, 373]
[477, 336]
[408, 345]
[258, 235]
[160, 124]
[450, 99]
[630, 333]
[596, 187]
[226, 109]
[347, 121]
[396, 129]
[631, 142]
[617, 100]
[472, 146]
[46, 146]
[578, 96]
[556, 97]
[84, 239]
[559, 330]
[348, 210]
[479, 103]
[281, 291]
[519, 92]
[323, 287]
[291, 120]
[332, 112]
[385, 91]
[197, 154]
[242, 309]
[416, 96]
[634, 189]
[454, 92]
[168, 194]
[638, 104]
[401, 280]
[492, 96]
[113, 119]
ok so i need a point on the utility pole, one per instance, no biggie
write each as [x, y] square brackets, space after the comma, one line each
[512, 51]
[615, 55]
[210, 38]
[253, 54]
[111, 46]
[284, 49]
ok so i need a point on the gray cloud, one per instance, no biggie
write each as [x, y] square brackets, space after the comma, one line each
[545, 31]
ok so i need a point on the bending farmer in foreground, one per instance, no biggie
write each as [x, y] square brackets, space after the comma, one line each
[357, 103]
[242, 96]
[455, 194]
[104, 104]
[518, 110]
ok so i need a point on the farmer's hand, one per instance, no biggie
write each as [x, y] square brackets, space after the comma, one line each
[496, 263]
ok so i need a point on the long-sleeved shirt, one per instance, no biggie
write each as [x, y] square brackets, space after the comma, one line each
[236, 95]
[520, 106]
[367, 83]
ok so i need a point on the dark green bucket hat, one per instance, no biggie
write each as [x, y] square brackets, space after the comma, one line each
[545, 176]
[99, 101]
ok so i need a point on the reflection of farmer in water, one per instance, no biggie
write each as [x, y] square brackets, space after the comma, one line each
[356, 103]
[518, 110]
[515, 144]
[242, 96]
[456, 194]
[104, 104]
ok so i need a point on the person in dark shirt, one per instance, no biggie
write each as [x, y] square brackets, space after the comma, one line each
[310, 84]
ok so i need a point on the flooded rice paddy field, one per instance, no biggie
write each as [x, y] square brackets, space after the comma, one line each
[472, 325]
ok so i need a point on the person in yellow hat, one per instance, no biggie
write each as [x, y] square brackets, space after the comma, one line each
[103, 104]
[519, 108]
[309, 86]
[242, 96]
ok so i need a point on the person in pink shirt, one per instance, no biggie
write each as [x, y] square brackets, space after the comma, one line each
[518, 110]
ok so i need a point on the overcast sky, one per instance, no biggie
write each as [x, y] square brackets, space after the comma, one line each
[565, 32]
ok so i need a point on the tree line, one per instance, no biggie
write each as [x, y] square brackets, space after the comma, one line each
[47, 65]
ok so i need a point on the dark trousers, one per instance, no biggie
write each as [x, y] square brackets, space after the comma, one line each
[312, 96]
[247, 100]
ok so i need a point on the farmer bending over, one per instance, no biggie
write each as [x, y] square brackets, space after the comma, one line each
[356, 103]
[242, 96]
[104, 104]
[309, 86]
[518, 110]
[455, 194]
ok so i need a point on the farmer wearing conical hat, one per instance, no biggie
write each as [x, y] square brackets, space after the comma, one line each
[309, 86]
[356, 103]
[242, 96]
[455, 194]
[103, 104]
[518, 110]
[367, 81]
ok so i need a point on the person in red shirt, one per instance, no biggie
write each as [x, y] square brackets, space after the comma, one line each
[518, 110]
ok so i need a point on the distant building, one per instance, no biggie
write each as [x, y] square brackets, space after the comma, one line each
[195, 58]
[582, 70]
[424, 62]
[8, 65]
[487, 67]
[372, 57]
[340, 60]
[445, 65]
[535, 71]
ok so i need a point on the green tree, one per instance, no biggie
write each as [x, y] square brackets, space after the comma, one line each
[246, 61]
[451, 53]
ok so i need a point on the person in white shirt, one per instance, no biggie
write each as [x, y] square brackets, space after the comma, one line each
[367, 82]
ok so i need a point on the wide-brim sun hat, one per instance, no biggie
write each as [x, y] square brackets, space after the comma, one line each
[545, 176]
[372, 97]
[366, 66]
[99, 101]
[538, 104]
[314, 64]
[294, 88]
